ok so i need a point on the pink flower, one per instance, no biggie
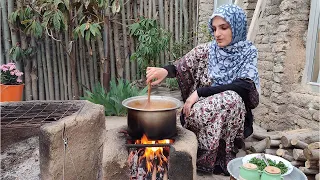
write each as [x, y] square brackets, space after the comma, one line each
[12, 73]
[4, 69]
[19, 80]
[12, 67]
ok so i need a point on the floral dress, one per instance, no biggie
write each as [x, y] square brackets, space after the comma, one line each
[217, 120]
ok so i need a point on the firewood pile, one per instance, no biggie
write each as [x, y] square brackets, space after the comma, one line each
[301, 147]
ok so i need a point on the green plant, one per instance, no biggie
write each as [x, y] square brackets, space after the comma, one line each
[207, 37]
[151, 41]
[172, 84]
[10, 75]
[112, 100]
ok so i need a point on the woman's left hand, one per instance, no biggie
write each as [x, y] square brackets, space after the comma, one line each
[193, 98]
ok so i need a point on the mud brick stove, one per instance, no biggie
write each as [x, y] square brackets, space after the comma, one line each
[181, 158]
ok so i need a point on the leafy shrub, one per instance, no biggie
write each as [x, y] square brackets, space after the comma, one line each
[172, 84]
[112, 100]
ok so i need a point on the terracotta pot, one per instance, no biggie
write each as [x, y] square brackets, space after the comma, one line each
[11, 92]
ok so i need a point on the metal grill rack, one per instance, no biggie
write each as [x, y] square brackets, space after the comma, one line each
[34, 114]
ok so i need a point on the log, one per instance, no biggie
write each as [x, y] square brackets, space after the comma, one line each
[315, 145]
[281, 152]
[307, 136]
[311, 164]
[261, 145]
[247, 145]
[297, 163]
[311, 154]
[262, 135]
[309, 171]
[281, 146]
[288, 157]
[298, 155]
[299, 144]
[271, 151]
[317, 177]
[275, 143]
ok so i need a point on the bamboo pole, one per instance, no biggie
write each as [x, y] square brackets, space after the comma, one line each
[41, 85]
[185, 20]
[145, 8]
[55, 70]
[2, 57]
[67, 77]
[176, 20]
[45, 72]
[85, 66]
[27, 69]
[125, 44]
[6, 31]
[34, 73]
[95, 62]
[67, 82]
[112, 53]
[166, 26]
[131, 15]
[150, 8]
[91, 72]
[79, 68]
[49, 68]
[171, 24]
[141, 8]
[101, 57]
[161, 15]
[194, 21]
[119, 62]
[106, 43]
[155, 16]
[62, 95]
[80, 55]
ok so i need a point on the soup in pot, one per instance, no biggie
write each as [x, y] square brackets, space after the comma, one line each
[154, 104]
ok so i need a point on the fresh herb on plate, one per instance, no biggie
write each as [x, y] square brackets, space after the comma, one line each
[261, 164]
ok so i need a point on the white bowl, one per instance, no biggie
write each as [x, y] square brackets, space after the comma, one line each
[277, 159]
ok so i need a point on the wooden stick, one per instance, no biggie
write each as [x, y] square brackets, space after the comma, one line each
[297, 163]
[311, 164]
[261, 145]
[315, 145]
[311, 154]
[299, 144]
[309, 171]
[271, 151]
[298, 155]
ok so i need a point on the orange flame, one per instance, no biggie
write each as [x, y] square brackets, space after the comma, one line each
[152, 153]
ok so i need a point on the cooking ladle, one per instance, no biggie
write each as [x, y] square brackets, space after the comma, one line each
[149, 93]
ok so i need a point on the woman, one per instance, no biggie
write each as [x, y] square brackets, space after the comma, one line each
[218, 83]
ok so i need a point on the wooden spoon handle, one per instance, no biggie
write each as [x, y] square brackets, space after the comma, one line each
[149, 92]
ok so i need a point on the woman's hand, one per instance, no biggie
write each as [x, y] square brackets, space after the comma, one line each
[156, 73]
[193, 98]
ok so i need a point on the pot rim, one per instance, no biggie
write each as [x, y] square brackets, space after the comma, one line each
[174, 100]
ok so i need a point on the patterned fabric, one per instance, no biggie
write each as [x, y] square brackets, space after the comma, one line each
[217, 120]
[239, 58]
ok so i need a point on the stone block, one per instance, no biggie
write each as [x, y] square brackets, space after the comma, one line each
[278, 77]
[265, 65]
[283, 28]
[250, 6]
[276, 88]
[83, 134]
[300, 111]
[272, 10]
[278, 68]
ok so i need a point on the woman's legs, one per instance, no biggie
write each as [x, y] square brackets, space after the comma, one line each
[217, 121]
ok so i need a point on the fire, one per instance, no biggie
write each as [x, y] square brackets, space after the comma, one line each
[153, 154]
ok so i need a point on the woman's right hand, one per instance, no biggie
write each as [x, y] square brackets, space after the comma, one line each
[157, 74]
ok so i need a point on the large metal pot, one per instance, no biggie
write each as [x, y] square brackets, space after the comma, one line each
[155, 123]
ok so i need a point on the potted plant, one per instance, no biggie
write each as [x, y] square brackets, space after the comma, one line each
[11, 87]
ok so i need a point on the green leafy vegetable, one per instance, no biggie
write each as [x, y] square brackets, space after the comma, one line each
[261, 164]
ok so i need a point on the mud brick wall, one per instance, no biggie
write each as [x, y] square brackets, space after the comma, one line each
[83, 155]
[285, 103]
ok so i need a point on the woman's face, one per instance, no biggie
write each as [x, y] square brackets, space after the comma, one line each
[221, 31]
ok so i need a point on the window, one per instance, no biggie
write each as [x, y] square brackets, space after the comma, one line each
[218, 3]
[311, 73]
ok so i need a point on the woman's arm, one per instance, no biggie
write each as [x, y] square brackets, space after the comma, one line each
[243, 87]
[171, 71]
